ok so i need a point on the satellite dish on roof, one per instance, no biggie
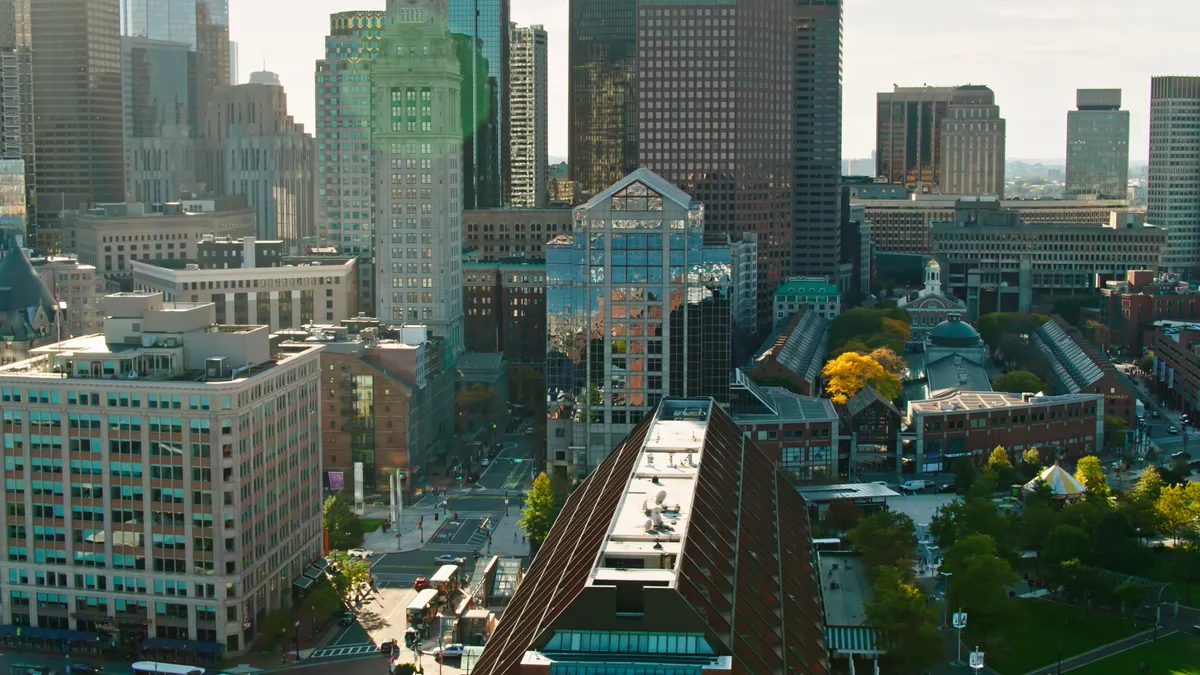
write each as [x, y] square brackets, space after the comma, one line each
[649, 525]
[660, 497]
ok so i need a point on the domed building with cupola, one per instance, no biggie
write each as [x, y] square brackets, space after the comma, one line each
[930, 306]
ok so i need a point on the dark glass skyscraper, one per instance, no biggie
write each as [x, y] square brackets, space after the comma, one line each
[1098, 145]
[168, 20]
[485, 78]
[818, 119]
[602, 98]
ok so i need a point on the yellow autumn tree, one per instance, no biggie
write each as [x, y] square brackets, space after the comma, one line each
[849, 373]
[890, 360]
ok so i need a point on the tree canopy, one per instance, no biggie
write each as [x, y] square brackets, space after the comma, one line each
[903, 613]
[870, 328]
[338, 518]
[993, 327]
[849, 373]
[978, 582]
[1019, 382]
[540, 510]
[886, 538]
[1089, 471]
[1179, 508]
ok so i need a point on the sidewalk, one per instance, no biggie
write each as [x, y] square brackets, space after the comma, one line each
[507, 538]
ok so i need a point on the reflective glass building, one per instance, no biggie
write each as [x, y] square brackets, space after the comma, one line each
[169, 20]
[637, 308]
[1098, 145]
[12, 197]
[484, 59]
[602, 101]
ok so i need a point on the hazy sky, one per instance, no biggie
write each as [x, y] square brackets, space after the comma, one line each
[1033, 53]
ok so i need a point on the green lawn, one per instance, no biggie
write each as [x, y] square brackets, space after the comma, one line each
[1032, 639]
[1173, 655]
[369, 525]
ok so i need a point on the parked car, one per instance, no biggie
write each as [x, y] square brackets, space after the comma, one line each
[485, 461]
[360, 553]
[915, 485]
[946, 488]
[1154, 414]
[347, 619]
[449, 651]
[1172, 429]
[420, 584]
[85, 668]
[449, 560]
[1182, 454]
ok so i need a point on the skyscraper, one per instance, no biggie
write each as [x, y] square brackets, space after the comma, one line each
[77, 101]
[1173, 180]
[345, 190]
[212, 45]
[16, 114]
[637, 308]
[973, 140]
[910, 134]
[484, 60]
[161, 114]
[417, 139]
[601, 104]
[719, 123]
[255, 148]
[816, 217]
[528, 88]
[166, 20]
[1098, 145]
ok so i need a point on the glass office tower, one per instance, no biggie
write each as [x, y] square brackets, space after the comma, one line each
[1098, 145]
[637, 308]
[601, 107]
[484, 60]
[168, 20]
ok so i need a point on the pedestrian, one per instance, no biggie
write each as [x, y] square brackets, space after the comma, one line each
[522, 539]
[514, 536]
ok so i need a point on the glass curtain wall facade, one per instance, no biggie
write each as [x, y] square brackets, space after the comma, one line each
[1098, 145]
[484, 59]
[907, 135]
[816, 216]
[168, 20]
[602, 92]
[345, 189]
[638, 308]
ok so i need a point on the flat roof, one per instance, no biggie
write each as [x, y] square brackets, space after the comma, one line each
[968, 401]
[423, 599]
[652, 518]
[844, 587]
[829, 493]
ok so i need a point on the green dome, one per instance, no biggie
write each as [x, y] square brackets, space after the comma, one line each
[954, 332]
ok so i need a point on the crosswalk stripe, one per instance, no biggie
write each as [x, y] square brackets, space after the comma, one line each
[349, 650]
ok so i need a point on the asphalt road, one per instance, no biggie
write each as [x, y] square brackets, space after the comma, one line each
[511, 468]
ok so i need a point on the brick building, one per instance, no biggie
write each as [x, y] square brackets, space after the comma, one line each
[504, 309]
[1176, 375]
[798, 433]
[1127, 310]
[508, 233]
[1076, 367]
[972, 423]
[794, 354]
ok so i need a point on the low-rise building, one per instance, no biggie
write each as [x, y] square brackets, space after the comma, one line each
[30, 317]
[973, 423]
[794, 354]
[996, 263]
[904, 225]
[1176, 374]
[815, 293]
[77, 290]
[214, 252]
[1127, 310]
[288, 296]
[191, 455]
[508, 233]
[930, 306]
[1077, 368]
[387, 400]
[112, 236]
[798, 433]
[870, 435]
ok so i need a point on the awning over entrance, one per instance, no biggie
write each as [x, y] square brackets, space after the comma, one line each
[854, 640]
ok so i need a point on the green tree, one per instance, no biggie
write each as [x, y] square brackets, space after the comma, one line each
[975, 514]
[841, 516]
[1148, 485]
[1019, 382]
[1090, 472]
[1031, 464]
[999, 466]
[1146, 363]
[1114, 431]
[541, 508]
[1178, 508]
[1065, 542]
[1036, 519]
[964, 473]
[345, 573]
[338, 518]
[978, 588]
[321, 603]
[965, 549]
[899, 609]
[886, 538]
[1130, 594]
[277, 627]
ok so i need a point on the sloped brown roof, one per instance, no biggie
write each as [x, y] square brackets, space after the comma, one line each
[745, 568]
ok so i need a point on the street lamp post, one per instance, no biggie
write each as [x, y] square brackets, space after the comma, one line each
[945, 599]
[297, 625]
[1059, 659]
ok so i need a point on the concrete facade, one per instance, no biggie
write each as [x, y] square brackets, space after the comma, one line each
[528, 125]
[75, 284]
[1173, 174]
[509, 233]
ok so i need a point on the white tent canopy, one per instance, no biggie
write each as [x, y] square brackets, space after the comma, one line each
[1062, 484]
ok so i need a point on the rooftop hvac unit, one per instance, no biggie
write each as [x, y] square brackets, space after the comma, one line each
[216, 368]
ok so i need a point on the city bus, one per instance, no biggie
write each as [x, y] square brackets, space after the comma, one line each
[423, 609]
[158, 668]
